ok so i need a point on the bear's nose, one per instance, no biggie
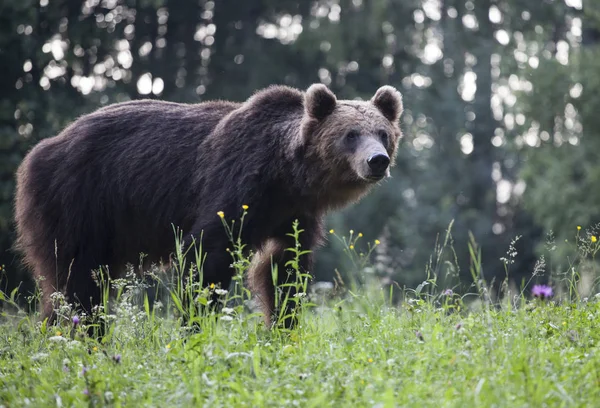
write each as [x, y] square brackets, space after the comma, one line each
[378, 163]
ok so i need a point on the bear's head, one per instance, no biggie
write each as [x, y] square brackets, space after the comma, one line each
[354, 142]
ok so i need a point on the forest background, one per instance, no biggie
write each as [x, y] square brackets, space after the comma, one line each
[501, 118]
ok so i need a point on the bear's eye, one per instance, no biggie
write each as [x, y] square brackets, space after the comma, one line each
[352, 135]
[385, 137]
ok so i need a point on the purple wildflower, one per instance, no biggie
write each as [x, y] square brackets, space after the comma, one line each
[542, 291]
[447, 292]
[75, 320]
[419, 336]
[84, 370]
[117, 358]
[86, 392]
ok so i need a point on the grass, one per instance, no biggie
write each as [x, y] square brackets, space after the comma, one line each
[352, 349]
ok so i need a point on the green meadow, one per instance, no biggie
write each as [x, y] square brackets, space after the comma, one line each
[355, 345]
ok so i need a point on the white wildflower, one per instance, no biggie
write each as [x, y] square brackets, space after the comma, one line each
[39, 356]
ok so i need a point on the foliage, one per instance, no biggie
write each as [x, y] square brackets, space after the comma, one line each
[479, 78]
[356, 348]
[363, 354]
[560, 169]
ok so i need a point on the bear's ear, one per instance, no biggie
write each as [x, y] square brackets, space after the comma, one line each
[319, 101]
[389, 101]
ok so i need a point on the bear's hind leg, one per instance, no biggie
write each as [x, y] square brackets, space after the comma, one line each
[48, 286]
[78, 287]
[84, 291]
[216, 272]
[85, 279]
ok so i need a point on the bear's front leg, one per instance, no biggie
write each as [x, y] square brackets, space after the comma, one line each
[214, 271]
[276, 295]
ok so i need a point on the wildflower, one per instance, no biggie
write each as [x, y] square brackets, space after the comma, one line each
[245, 207]
[57, 339]
[419, 335]
[370, 360]
[39, 356]
[221, 214]
[377, 242]
[75, 320]
[542, 291]
[351, 246]
[84, 370]
[227, 310]
[220, 292]
[86, 392]
[447, 292]
[331, 231]
[117, 358]
[212, 286]
[351, 232]
[360, 234]
[579, 228]
[95, 348]
[58, 333]
[227, 318]
[594, 239]
[168, 346]
[573, 336]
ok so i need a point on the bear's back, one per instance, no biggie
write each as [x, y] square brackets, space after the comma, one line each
[116, 175]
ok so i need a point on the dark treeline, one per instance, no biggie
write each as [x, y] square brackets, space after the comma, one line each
[500, 100]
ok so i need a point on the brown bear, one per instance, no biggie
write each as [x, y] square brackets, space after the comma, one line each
[114, 183]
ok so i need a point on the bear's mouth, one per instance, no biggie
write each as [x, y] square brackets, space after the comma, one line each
[375, 177]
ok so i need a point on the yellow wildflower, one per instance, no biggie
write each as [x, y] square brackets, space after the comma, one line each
[94, 348]
[360, 234]
[245, 207]
[370, 360]
[351, 246]
[377, 242]
[212, 285]
[58, 333]
[221, 214]
[594, 239]
[169, 346]
[578, 227]
[331, 231]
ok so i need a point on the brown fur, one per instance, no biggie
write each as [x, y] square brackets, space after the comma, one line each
[112, 184]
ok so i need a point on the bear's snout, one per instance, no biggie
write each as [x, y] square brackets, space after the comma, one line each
[378, 164]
